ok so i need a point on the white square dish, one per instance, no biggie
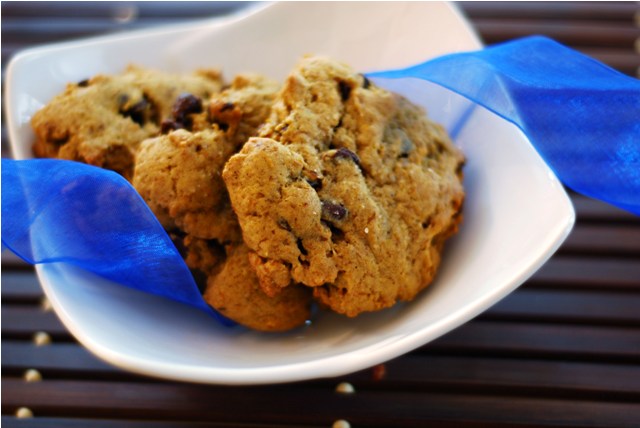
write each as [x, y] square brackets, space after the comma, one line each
[516, 212]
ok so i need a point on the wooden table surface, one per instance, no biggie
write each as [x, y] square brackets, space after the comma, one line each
[561, 351]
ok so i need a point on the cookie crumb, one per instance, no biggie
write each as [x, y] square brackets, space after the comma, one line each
[341, 423]
[24, 413]
[41, 338]
[378, 372]
[345, 388]
[32, 375]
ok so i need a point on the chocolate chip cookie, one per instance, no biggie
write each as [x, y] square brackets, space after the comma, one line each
[350, 190]
[102, 120]
[179, 174]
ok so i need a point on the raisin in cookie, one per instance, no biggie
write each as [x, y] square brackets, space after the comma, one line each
[179, 174]
[102, 120]
[350, 190]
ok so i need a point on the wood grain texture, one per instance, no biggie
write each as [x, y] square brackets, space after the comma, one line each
[563, 350]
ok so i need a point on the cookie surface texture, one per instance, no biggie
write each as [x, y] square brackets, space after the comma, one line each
[179, 174]
[349, 190]
[236, 293]
[102, 120]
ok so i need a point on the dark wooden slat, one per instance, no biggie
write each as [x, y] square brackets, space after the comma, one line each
[592, 210]
[11, 261]
[523, 377]
[588, 307]
[551, 11]
[23, 321]
[601, 273]
[424, 372]
[56, 358]
[113, 423]
[313, 406]
[604, 239]
[531, 340]
[81, 10]
[481, 337]
[20, 286]
[575, 34]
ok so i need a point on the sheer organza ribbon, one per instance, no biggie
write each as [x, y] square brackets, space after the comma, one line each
[581, 116]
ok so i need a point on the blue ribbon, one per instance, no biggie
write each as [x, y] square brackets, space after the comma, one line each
[582, 116]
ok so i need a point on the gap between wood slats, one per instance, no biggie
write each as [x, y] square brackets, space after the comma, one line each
[551, 10]
[411, 372]
[312, 406]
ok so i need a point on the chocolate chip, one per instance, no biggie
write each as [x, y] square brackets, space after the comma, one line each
[139, 112]
[315, 184]
[169, 125]
[343, 153]
[184, 105]
[345, 90]
[226, 106]
[83, 83]
[332, 211]
[313, 178]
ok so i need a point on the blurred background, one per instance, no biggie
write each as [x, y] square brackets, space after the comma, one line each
[564, 347]
[607, 31]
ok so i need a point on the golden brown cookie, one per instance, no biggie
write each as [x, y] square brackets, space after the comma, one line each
[235, 293]
[242, 108]
[351, 190]
[102, 120]
[179, 176]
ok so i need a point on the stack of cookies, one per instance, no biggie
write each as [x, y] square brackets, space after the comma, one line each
[325, 189]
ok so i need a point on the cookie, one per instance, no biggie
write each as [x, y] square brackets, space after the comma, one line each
[102, 120]
[235, 292]
[179, 176]
[203, 257]
[242, 108]
[350, 190]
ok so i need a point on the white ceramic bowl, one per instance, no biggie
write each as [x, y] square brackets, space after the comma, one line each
[516, 212]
